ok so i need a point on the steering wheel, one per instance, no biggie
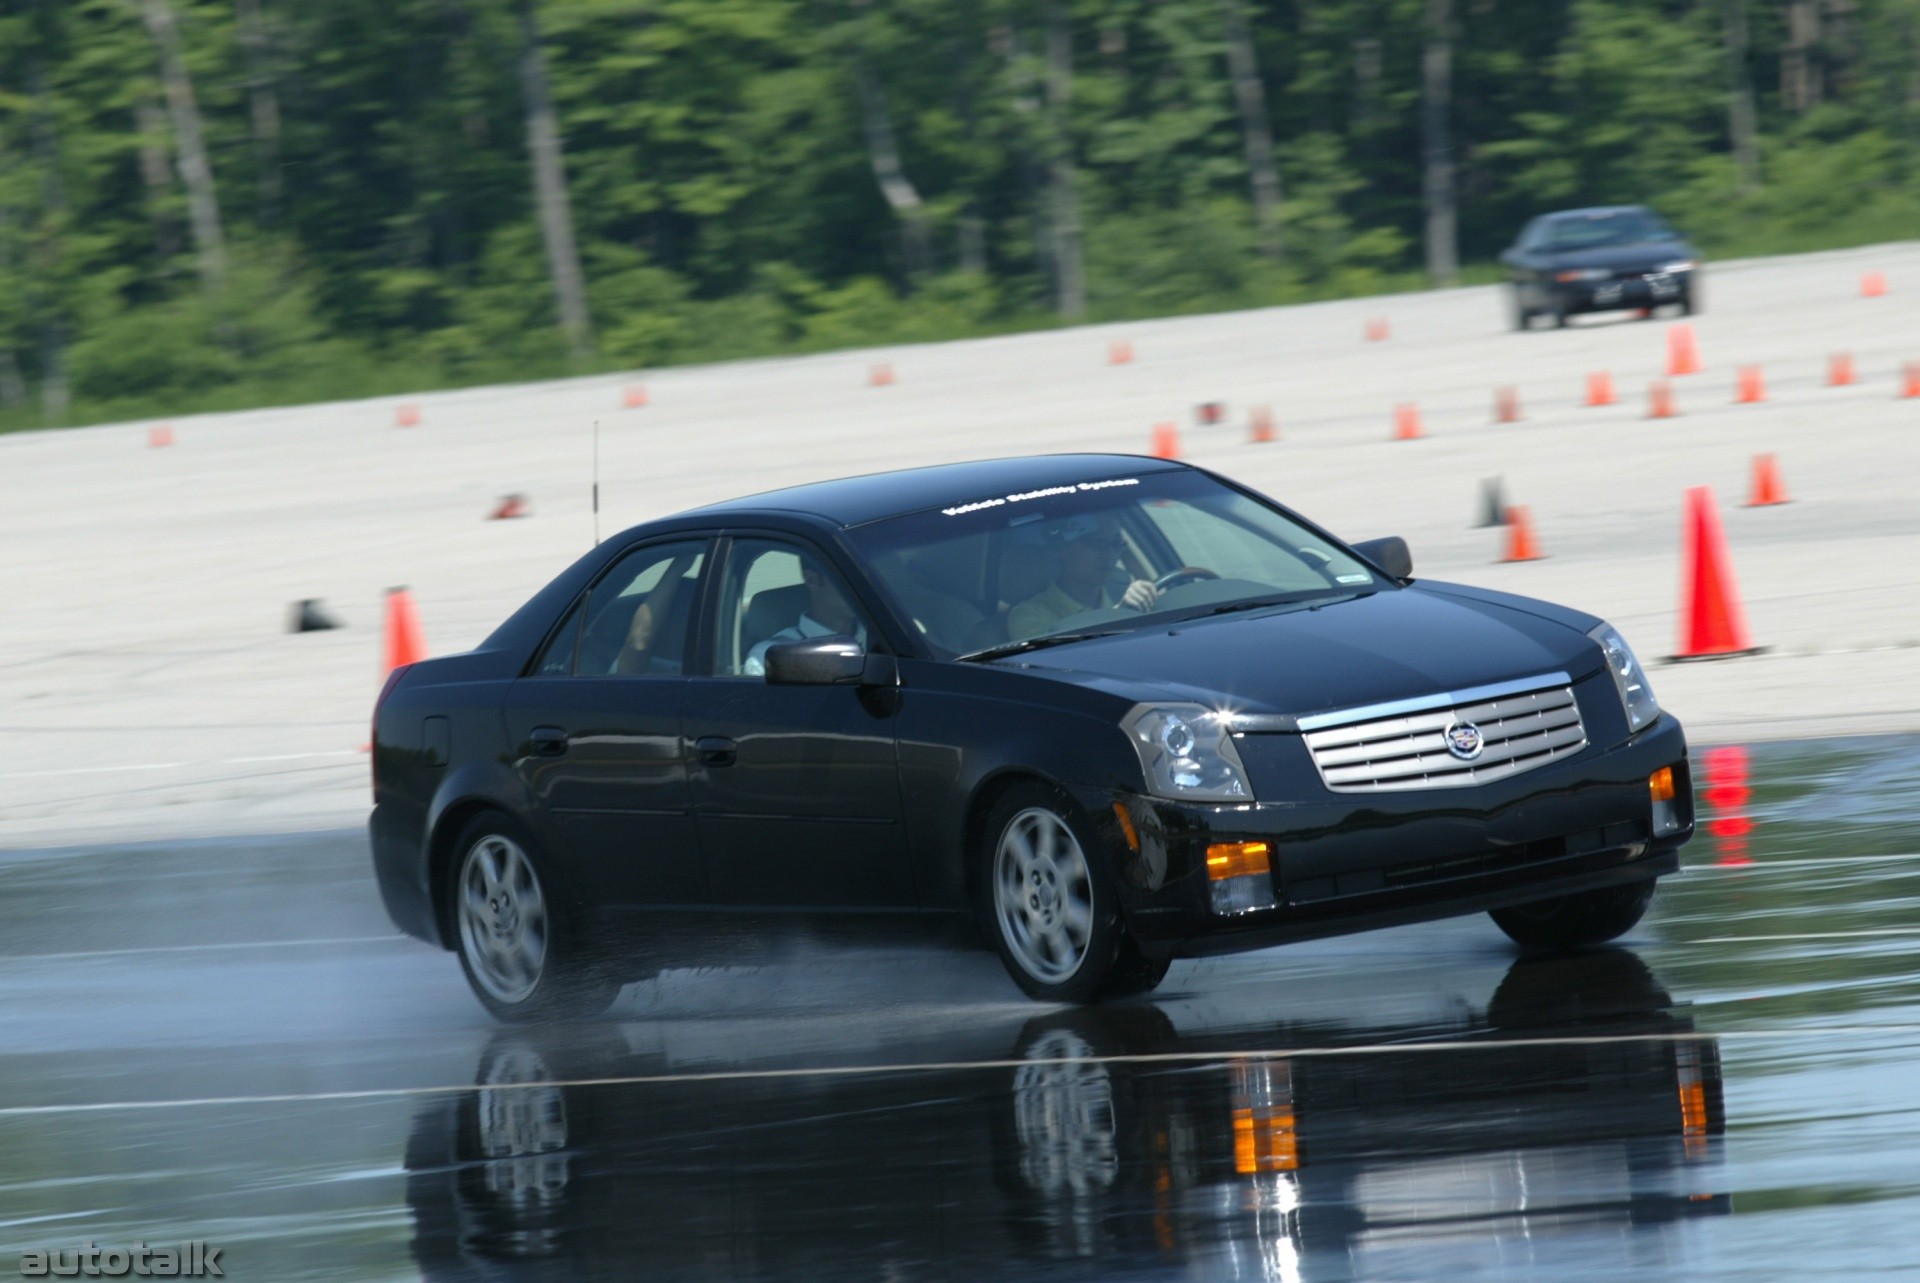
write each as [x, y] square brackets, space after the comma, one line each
[1184, 575]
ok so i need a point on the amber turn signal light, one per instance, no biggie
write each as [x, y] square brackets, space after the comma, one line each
[1237, 860]
[1660, 784]
[1127, 831]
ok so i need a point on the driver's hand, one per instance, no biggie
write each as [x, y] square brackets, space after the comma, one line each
[1140, 595]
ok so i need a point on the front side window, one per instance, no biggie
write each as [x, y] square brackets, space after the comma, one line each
[774, 592]
[1107, 553]
[636, 619]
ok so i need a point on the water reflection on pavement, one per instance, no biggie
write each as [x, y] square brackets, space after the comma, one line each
[1728, 1095]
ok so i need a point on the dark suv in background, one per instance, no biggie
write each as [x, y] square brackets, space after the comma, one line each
[1604, 259]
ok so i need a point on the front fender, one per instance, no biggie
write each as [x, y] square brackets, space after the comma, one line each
[963, 739]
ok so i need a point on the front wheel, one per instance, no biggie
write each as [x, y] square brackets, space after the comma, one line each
[1577, 920]
[1518, 312]
[519, 947]
[1053, 909]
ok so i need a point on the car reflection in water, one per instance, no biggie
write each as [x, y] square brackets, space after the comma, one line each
[1567, 1122]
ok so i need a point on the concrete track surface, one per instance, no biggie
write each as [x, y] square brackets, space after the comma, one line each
[144, 670]
[224, 1041]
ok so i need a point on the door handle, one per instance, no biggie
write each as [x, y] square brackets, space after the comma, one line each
[715, 750]
[548, 741]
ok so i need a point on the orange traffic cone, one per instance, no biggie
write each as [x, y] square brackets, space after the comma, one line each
[1660, 400]
[160, 435]
[1840, 371]
[1209, 412]
[1377, 329]
[1683, 352]
[1120, 352]
[509, 507]
[1910, 379]
[1260, 427]
[406, 415]
[1406, 423]
[1600, 388]
[1768, 488]
[1506, 405]
[406, 643]
[1521, 545]
[1166, 441]
[1873, 284]
[1712, 623]
[634, 396]
[880, 375]
[1752, 386]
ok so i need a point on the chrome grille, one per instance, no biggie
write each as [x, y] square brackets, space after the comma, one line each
[1519, 732]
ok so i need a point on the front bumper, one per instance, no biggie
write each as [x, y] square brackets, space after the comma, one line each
[1352, 862]
[1650, 289]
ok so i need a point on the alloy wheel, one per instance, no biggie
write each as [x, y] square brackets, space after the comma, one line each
[1043, 895]
[503, 918]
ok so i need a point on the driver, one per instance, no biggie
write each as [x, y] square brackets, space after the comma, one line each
[1090, 578]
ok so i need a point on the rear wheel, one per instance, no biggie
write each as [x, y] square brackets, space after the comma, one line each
[519, 946]
[1577, 920]
[1052, 904]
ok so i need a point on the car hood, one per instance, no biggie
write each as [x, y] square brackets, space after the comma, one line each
[1639, 255]
[1389, 645]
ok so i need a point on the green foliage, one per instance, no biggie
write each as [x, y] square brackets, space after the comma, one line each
[723, 189]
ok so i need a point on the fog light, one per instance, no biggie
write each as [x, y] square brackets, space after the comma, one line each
[1666, 810]
[1240, 876]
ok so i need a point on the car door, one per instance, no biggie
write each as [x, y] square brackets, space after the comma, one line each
[795, 789]
[596, 730]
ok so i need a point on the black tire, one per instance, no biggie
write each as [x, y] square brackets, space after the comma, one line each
[567, 979]
[1687, 304]
[1521, 314]
[1578, 920]
[1559, 313]
[1030, 918]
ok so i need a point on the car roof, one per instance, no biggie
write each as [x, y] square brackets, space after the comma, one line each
[854, 501]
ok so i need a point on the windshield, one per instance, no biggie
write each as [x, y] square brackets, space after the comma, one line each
[1616, 227]
[1105, 554]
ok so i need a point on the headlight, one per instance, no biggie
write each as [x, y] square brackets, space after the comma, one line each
[1684, 265]
[1187, 753]
[1636, 694]
[1583, 274]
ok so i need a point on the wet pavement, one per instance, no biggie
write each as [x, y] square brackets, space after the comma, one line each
[225, 1041]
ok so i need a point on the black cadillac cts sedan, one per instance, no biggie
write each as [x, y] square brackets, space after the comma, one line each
[1107, 710]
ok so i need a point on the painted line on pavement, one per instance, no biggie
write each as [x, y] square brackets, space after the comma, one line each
[197, 948]
[954, 1066]
[175, 766]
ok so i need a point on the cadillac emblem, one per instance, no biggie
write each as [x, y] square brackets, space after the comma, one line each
[1464, 740]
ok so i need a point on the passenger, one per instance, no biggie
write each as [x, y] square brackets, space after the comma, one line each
[1090, 578]
[827, 615]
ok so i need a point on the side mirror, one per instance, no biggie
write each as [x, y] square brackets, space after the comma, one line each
[1390, 554]
[816, 661]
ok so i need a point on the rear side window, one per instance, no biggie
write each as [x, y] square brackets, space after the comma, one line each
[636, 620]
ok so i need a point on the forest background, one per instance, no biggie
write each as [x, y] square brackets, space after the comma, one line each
[211, 204]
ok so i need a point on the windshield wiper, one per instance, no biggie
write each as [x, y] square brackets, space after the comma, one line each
[1032, 643]
[1319, 598]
